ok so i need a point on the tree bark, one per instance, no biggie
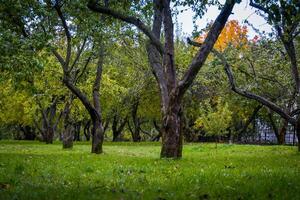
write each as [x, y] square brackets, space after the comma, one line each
[28, 131]
[135, 131]
[158, 129]
[172, 132]
[67, 136]
[87, 130]
[117, 130]
[298, 133]
[98, 131]
[97, 136]
[187, 128]
[77, 128]
[282, 133]
[49, 123]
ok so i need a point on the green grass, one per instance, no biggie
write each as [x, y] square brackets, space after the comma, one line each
[33, 170]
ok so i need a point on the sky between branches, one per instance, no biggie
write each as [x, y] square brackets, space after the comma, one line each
[241, 12]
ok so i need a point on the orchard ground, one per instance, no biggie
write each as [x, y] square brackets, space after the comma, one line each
[33, 170]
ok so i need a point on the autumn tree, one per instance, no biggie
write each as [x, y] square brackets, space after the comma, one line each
[232, 34]
[284, 17]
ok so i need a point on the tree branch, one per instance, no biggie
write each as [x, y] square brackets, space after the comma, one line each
[244, 93]
[168, 58]
[259, 7]
[205, 49]
[88, 60]
[258, 98]
[59, 58]
[57, 7]
[92, 5]
[78, 53]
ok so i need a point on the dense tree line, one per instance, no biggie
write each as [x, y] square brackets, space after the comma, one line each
[116, 70]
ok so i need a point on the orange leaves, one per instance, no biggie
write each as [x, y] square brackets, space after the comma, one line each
[232, 34]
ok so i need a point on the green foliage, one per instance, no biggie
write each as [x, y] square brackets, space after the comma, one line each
[216, 119]
[32, 170]
[18, 107]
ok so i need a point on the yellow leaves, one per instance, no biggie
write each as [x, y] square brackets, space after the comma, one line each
[233, 34]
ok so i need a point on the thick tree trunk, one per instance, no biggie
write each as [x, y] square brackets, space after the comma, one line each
[68, 137]
[274, 127]
[115, 137]
[105, 126]
[135, 131]
[298, 133]
[158, 129]
[117, 127]
[49, 135]
[189, 133]
[136, 137]
[97, 131]
[87, 130]
[172, 132]
[97, 136]
[282, 133]
[77, 128]
[28, 131]
[114, 128]
[49, 123]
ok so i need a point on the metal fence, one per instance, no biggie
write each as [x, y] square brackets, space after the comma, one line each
[263, 133]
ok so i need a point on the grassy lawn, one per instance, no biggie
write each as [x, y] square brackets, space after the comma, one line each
[33, 170]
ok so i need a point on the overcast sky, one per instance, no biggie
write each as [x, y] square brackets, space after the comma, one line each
[241, 12]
